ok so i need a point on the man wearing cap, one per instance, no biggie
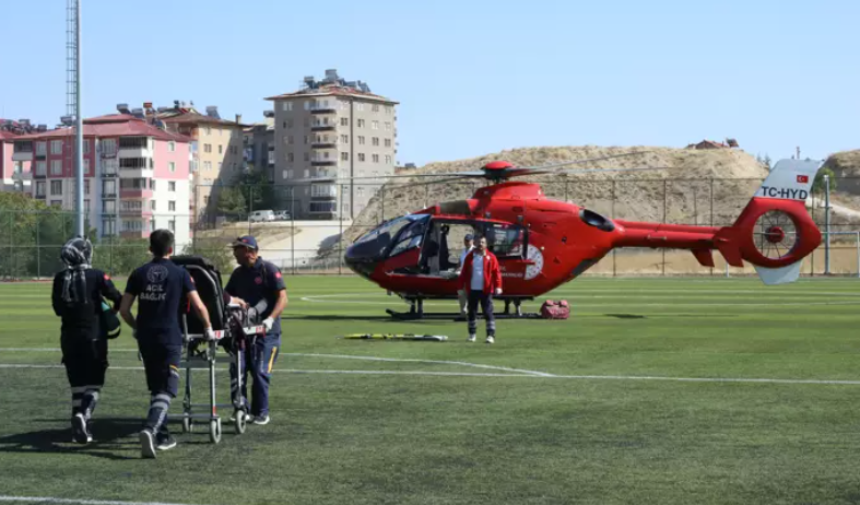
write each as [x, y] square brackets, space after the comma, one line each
[258, 286]
[468, 244]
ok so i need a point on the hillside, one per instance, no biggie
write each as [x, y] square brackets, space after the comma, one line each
[684, 174]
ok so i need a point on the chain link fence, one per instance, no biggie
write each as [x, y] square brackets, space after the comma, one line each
[306, 230]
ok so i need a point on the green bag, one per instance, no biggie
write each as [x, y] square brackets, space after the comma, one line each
[111, 326]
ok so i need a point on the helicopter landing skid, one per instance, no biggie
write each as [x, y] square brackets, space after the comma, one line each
[416, 312]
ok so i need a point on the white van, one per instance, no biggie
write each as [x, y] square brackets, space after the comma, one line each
[262, 216]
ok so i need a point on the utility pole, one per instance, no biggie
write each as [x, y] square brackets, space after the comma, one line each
[73, 104]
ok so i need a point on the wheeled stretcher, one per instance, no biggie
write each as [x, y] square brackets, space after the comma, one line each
[235, 331]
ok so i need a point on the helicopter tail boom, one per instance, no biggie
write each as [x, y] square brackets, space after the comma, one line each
[774, 232]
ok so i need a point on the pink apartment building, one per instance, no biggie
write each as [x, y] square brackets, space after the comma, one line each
[136, 176]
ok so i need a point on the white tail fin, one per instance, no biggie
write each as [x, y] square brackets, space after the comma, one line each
[789, 180]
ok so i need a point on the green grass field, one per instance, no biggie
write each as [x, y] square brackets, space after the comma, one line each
[594, 409]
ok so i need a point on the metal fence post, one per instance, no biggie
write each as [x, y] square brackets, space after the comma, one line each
[340, 244]
[293, 227]
[663, 266]
[612, 203]
[38, 251]
[827, 224]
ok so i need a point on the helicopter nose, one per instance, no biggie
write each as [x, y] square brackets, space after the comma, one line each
[359, 261]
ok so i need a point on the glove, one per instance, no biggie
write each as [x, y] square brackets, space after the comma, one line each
[268, 323]
[498, 291]
[209, 334]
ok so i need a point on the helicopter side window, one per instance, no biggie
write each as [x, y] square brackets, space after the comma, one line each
[506, 240]
[409, 238]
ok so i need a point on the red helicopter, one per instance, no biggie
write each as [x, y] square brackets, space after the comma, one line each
[542, 243]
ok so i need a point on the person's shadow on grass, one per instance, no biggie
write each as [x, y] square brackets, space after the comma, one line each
[109, 435]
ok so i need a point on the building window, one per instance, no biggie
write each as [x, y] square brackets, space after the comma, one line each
[171, 206]
[375, 108]
[205, 200]
[56, 188]
[375, 141]
[220, 149]
[86, 206]
[207, 148]
[360, 191]
[307, 139]
[171, 146]
[344, 156]
[376, 158]
[172, 166]
[41, 167]
[290, 157]
[40, 188]
[361, 123]
[359, 106]
[374, 125]
[286, 106]
[86, 146]
[171, 225]
[56, 167]
[344, 139]
[207, 166]
[208, 131]
[360, 156]
[171, 186]
[307, 157]
[56, 147]
[387, 125]
[41, 148]
[290, 139]
[152, 205]
[361, 140]
[86, 187]
[344, 121]
[388, 159]
[109, 147]
[307, 174]
[132, 225]
[387, 142]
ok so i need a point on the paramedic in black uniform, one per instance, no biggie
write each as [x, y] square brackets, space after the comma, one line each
[77, 298]
[160, 286]
[258, 285]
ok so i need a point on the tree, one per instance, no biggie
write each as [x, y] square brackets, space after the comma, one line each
[31, 236]
[248, 191]
[767, 162]
[818, 186]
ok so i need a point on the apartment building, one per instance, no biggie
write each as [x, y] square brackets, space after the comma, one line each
[15, 174]
[136, 176]
[217, 156]
[259, 145]
[328, 130]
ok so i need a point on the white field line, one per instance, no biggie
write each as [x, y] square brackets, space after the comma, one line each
[72, 501]
[510, 375]
[332, 356]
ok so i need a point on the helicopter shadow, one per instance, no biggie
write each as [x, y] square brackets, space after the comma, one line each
[108, 435]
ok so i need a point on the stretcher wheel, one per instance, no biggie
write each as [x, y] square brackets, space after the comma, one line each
[241, 422]
[215, 431]
[187, 425]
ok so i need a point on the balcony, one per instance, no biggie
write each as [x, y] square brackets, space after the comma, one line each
[22, 176]
[324, 145]
[136, 173]
[322, 109]
[40, 196]
[324, 163]
[135, 193]
[323, 127]
[22, 156]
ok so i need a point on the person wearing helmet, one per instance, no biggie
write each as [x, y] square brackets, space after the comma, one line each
[77, 299]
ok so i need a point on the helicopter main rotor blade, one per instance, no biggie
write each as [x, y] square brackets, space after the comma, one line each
[590, 171]
[588, 160]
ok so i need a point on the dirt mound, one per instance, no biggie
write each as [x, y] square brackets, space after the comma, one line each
[686, 186]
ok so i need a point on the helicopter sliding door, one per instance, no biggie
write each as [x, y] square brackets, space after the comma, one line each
[444, 245]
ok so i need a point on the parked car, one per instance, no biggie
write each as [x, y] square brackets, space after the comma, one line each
[262, 216]
[282, 215]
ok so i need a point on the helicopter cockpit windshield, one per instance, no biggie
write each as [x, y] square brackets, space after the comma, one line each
[377, 243]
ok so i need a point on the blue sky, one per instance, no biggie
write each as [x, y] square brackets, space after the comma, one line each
[472, 76]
